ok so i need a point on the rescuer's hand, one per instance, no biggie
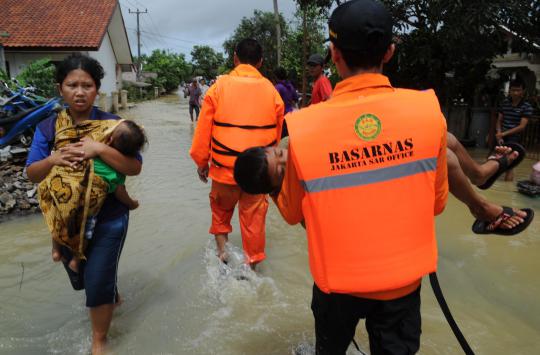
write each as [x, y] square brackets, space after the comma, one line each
[203, 173]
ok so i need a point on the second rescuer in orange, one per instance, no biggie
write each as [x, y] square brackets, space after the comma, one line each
[241, 110]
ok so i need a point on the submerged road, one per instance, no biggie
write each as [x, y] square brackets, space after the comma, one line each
[179, 300]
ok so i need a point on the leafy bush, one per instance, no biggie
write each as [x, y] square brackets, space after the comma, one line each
[40, 74]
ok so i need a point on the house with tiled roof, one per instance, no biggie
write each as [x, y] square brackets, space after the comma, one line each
[35, 29]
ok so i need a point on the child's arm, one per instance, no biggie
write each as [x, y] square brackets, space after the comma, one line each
[122, 195]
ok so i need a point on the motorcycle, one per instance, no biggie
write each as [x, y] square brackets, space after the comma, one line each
[14, 102]
[20, 127]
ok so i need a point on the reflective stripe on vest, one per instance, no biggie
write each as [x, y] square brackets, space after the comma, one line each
[245, 117]
[368, 165]
[370, 177]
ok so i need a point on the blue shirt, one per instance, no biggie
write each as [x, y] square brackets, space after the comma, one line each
[512, 115]
[43, 143]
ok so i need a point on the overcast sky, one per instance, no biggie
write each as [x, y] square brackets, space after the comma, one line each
[178, 25]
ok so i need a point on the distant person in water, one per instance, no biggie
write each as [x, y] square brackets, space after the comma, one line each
[194, 92]
[288, 94]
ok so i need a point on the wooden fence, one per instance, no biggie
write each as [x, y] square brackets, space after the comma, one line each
[531, 138]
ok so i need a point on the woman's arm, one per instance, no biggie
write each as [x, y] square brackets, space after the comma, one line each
[90, 149]
[40, 161]
[39, 170]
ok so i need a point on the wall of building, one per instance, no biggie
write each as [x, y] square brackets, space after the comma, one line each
[105, 55]
[17, 61]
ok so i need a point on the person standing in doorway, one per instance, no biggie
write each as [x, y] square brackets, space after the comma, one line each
[513, 117]
[241, 110]
[322, 88]
[194, 93]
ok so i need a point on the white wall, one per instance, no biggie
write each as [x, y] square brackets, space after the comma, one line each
[105, 55]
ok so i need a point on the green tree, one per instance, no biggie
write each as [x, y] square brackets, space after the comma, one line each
[262, 27]
[171, 68]
[40, 74]
[311, 12]
[450, 45]
[306, 37]
[206, 61]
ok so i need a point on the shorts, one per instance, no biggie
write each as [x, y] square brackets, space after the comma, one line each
[393, 326]
[98, 274]
[252, 212]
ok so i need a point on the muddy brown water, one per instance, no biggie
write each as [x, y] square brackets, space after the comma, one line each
[179, 300]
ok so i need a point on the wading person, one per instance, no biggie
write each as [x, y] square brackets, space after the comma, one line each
[514, 114]
[322, 88]
[241, 110]
[367, 172]
[79, 78]
[194, 92]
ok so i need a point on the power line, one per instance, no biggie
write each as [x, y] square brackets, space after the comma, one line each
[173, 38]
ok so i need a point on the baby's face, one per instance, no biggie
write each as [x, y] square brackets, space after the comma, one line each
[277, 160]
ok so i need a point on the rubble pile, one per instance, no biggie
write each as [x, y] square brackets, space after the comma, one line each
[17, 194]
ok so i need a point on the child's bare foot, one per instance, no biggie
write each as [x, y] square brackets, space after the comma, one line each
[56, 253]
[74, 264]
[134, 205]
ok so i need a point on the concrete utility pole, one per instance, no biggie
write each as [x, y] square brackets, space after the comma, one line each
[139, 66]
[2, 57]
[278, 32]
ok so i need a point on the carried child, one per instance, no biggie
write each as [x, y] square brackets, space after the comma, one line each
[71, 197]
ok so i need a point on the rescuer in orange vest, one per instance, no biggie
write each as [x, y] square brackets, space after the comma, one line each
[241, 110]
[367, 171]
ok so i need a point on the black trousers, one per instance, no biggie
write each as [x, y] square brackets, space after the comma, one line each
[394, 326]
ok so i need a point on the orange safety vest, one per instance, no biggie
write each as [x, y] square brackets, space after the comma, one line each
[245, 117]
[368, 166]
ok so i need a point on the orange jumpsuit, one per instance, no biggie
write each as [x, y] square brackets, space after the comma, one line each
[241, 110]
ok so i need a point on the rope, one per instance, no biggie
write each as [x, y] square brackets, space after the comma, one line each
[446, 311]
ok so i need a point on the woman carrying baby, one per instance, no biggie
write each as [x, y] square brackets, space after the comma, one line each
[79, 78]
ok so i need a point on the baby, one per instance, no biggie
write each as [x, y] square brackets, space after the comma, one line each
[71, 198]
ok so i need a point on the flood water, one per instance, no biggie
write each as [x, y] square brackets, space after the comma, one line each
[180, 300]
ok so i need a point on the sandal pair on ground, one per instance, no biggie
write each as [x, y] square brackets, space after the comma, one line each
[494, 226]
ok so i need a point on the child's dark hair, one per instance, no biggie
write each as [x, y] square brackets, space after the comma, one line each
[517, 83]
[251, 172]
[130, 140]
[83, 62]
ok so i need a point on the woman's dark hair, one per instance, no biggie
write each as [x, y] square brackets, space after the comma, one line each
[83, 62]
[249, 51]
[280, 73]
[251, 172]
[130, 139]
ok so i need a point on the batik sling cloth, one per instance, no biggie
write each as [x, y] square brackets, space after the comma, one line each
[67, 196]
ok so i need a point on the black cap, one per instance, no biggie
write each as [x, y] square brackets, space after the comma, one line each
[359, 24]
[315, 59]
